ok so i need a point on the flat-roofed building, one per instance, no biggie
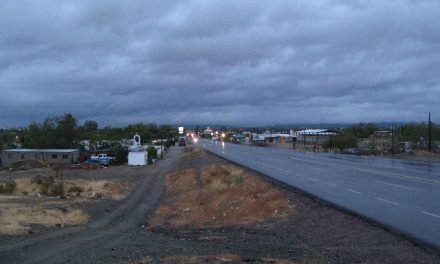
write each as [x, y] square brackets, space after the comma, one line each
[317, 136]
[44, 156]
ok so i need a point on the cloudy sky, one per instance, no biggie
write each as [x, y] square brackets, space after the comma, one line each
[220, 62]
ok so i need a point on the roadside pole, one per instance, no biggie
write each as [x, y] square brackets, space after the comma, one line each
[392, 139]
[429, 133]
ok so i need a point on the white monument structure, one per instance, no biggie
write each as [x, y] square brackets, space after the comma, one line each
[137, 156]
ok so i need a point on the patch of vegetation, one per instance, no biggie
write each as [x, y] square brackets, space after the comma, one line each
[341, 142]
[191, 152]
[48, 186]
[219, 177]
[7, 186]
[75, 189]
[152, 154]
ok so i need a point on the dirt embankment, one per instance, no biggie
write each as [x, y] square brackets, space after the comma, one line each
[223, 206]
[219, 195]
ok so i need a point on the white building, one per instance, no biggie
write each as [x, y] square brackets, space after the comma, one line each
[137, 156]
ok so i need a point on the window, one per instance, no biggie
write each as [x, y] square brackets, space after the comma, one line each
[22, 156]
[65, 156]
[54, 156]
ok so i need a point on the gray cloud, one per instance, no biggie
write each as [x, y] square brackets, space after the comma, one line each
[233, 62]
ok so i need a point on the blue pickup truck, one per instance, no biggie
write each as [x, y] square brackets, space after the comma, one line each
[101, 159]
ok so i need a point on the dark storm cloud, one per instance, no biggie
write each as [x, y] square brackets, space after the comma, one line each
[234, 62]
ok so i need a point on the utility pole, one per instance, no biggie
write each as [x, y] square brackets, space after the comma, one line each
[429, 133]
[392, 139]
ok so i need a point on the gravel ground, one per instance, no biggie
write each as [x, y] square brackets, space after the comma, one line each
[117, 232]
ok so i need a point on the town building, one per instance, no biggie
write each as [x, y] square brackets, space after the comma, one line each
[315, 136]
[44, 156]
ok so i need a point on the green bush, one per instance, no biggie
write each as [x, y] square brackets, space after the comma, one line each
[152, 154]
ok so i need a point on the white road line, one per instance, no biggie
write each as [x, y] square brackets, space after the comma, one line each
[395, 185]
[299, 175]
[330, 184]
[386, 201]
[431, 214]
[353, 191]
[382, 173]
[314, 179]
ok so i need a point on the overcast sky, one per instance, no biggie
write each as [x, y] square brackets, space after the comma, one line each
[220, 62]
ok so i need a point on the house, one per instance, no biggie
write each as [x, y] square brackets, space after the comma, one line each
[44, 156]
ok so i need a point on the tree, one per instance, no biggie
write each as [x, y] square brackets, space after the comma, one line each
[342, 142]
[89, 130]
[361, 130]
[54, 132]
[66, 127]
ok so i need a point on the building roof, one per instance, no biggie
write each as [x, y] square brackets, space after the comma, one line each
[317, 132]
[42, 150]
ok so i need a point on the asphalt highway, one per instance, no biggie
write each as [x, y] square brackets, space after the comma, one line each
[402, 195]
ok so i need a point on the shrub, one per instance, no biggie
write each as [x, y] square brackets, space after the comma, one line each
[236, 176]
[56, 189]
[152, 154]
[218, 185]
[48, 185]
[76, 189]
[45, 183]
[7, 186]
[191, 152]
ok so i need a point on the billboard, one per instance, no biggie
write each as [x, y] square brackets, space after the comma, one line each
[181, 130]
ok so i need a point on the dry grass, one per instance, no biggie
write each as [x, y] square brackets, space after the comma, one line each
[108, 189]
[34, 208]
[190, 152]
[15, 218]
[219, 195]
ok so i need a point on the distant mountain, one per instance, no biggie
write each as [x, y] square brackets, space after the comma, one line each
[293, 126]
